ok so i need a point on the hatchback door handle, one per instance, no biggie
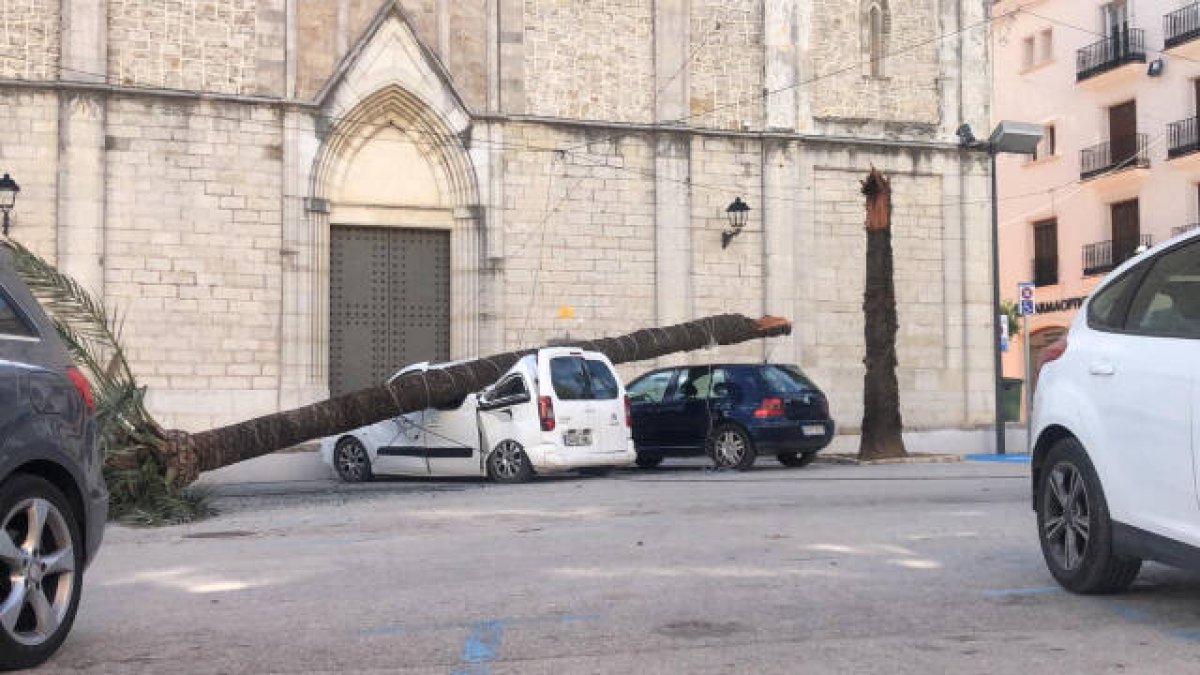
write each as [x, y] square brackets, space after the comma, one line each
[1102, 368]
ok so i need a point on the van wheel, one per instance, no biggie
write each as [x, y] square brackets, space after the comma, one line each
[351, 461]
[731, 448]
[41, 571]
[508, 463]
[1074, 527]
[796, 459]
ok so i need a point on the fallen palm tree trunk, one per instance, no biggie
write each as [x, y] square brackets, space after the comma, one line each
[186, 455]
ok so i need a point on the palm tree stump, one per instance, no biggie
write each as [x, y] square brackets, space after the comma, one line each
[882, 427]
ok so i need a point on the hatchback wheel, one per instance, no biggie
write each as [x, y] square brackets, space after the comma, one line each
[1074, 526]
[508, 463]
[796, 459]
[351, 461]
[41, 570]
[731, 448]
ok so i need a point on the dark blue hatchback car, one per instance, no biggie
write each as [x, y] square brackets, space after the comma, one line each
[731, 412]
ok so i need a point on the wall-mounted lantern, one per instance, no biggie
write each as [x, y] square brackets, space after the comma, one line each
[737, 212]
[8, 197]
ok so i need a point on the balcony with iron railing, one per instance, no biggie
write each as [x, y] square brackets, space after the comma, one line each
[1181, 26]
[1123, 46]
[1103, 256]
[1183, 137]
[1132, 152]
[1176, 231]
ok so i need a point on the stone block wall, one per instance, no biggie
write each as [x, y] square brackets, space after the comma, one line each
[29, 39]
[590, 60]
[579, 231]
[207, 45]
[842, 87]
[193, 253]
[725, 72]
[727, 279]
[29, 151]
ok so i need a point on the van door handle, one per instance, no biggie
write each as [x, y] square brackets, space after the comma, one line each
[1102, 368]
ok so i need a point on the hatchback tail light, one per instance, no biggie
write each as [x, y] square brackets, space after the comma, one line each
[546, 413]
[628, 413]
[83, 386]
[770, 407]
[1051, 352]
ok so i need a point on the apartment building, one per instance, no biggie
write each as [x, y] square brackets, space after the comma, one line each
[1116, 87]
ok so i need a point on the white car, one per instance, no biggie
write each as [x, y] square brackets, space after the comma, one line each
[558, 409]
[1117, 422]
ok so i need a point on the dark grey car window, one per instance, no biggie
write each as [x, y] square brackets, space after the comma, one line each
[510, 388]
[1167, 304]
[651, 388]
[11, 322]
[604, 384]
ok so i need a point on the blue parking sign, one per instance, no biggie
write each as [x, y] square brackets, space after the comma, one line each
[1027, 307]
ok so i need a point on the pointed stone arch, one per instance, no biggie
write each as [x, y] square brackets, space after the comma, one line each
[875, 29]
[389, 149]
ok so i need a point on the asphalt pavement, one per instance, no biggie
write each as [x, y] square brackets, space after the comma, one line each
[921, 568]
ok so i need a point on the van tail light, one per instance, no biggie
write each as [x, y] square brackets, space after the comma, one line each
[770, 407]
[1052, 352]
[628, 413]
[546, 413]
[83, 386]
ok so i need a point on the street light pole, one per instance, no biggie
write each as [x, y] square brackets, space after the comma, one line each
[996, 361]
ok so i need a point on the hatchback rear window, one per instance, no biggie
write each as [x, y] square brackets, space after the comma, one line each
[578, 379]
[785, 379]
[12, 323]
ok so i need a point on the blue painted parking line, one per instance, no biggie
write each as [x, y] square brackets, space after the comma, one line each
[1018, 458]
[481, 648]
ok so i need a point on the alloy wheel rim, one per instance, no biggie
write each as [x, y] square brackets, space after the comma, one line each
[507, 459]
[1066, 525]
[352, 460]
[36, 551]
[730, 447]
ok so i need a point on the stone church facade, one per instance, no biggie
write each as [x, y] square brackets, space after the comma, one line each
[282, 197]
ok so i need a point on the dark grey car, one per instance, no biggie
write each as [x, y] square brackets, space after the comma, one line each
[53, 502]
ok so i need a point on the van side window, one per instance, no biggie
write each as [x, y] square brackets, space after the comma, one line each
[604, 384]
[11, 323]
[510, 388]
[569, 379]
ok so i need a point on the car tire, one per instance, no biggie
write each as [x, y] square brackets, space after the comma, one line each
[34, 568]
[648, 461]
[796, 459]
[1074, 526]
[351, 461]
[508, 463]
[730, 447]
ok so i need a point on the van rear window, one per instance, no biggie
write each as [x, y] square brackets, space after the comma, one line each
[578, 379]
[569, 379]
[604, 385]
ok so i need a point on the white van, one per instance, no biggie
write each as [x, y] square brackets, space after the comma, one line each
[559, 409]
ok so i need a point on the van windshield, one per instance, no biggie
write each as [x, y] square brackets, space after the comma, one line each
[577, 379]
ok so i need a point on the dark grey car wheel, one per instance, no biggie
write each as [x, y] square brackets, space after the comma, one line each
[731, 447]
[41, 570]
[796, 459]
[351, 461]
[1074, 527]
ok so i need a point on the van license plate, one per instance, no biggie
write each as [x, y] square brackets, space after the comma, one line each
[813, 430]
[577, 437]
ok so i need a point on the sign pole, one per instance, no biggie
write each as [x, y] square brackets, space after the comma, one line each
[1028, 385]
